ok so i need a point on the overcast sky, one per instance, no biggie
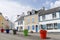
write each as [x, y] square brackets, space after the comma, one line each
[11, 8]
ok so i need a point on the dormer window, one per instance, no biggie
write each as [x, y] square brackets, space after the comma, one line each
[30, 13]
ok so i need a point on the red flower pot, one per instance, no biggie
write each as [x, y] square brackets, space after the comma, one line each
[43, 34]
[2, 30]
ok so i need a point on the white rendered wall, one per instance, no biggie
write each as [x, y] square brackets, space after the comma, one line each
[48, 22]
[48, 17]
[40, 18]
[57, 14]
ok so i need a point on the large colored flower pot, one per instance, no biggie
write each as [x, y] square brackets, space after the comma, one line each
[43, 34]
[7, 30]
[25, 32]
[14, 32]
[2, 30]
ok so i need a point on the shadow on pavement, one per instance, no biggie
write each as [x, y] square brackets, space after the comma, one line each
[48, 38]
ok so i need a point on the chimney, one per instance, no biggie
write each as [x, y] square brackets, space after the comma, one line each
[0, 13]
[43, 8]
[18, 15]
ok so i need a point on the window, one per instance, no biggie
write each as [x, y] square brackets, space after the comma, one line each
[32, 19]
[32, 27]
[43, 17]
[30, 13]
[28, 27]
[54, 15]
[18, 23]
[28, 20]
[49, 26]
[55, 25]
[21, 27]
[38, 18]
[42, 27]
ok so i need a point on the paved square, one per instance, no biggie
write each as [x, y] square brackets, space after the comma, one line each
[32, 36]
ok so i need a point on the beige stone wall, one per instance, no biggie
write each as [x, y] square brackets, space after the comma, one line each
[3, 20]
[31, 23]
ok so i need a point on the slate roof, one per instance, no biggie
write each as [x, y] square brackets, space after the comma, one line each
[49, 11]
[21, 18]
[42, 12]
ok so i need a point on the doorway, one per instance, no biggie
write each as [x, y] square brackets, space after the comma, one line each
[36, 28]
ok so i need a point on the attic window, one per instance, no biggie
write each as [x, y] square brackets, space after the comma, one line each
[30, 13]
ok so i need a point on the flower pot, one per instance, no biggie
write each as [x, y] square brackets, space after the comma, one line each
[2, 30]
[7, 30]
[14, 32]
[25, 32]
[43, 34]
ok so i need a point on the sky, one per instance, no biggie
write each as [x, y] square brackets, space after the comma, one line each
[12, 8]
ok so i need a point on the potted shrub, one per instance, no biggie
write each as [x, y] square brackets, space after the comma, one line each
[14, 31]
[25, 32]
[43, 34]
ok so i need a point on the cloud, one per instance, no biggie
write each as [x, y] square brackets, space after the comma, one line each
[56, 4]
[11, 9]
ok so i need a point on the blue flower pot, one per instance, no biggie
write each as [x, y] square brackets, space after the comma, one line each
[7, 30]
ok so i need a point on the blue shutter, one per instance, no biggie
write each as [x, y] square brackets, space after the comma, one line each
[58, 25]
[38, 18]
[32, 27]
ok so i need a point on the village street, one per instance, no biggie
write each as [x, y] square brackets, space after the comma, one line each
[31, 36]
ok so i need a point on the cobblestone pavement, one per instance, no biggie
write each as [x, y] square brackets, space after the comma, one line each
[31, 36]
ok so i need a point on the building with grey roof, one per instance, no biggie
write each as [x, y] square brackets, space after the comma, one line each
[19, 23]
[43, 19]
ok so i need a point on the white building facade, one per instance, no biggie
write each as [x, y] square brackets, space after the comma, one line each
[19, 23]
[50, 20]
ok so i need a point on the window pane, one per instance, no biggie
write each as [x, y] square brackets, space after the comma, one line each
[43, 17]
[49, 26]
[55, 25]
